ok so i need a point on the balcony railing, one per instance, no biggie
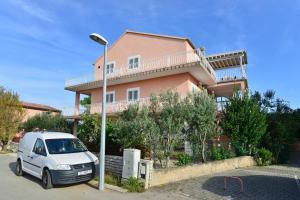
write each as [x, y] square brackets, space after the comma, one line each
[111, 108]
[146, 65]
[230, 74]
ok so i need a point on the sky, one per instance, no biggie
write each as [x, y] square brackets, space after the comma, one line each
[43, 42]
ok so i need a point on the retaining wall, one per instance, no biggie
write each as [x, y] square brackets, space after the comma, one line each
[165, 176]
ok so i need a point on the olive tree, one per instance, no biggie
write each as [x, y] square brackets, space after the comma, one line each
[11, 115]
[170, 117]
[200, 112]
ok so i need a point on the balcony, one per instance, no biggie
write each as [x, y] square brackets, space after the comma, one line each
[111, 108]
[230, 74]
[150, 65]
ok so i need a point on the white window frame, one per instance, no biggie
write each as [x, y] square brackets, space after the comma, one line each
[133, 57]
[114, 69]
[133, 89]
[114, 96]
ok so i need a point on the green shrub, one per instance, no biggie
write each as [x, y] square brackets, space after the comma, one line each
[89, 130]
[183, 159]
[215, 153]
[49, 122]
[221, 153]
[134, 185]
[244, 122]
[263, 157]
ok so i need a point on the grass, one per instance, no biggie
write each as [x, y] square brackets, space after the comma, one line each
[111, 179]
[132, 184]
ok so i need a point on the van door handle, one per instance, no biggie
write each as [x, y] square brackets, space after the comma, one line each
[30, 157]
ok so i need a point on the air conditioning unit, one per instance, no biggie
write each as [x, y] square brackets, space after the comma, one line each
[131, 159]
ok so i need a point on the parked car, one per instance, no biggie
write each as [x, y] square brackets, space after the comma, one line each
[55, 158]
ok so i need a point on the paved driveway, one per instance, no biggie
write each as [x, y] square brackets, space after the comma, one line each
[260, 183]
[267, 183]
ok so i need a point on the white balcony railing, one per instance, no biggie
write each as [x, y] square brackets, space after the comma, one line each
[116, 107]
[230, 74]
[148, 64]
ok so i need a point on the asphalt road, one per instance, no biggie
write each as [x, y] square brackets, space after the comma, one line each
[274, 183]
[27, 187]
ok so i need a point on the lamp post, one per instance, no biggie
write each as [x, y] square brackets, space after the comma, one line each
[101, 40]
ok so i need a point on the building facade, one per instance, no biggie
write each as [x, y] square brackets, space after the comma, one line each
[143, 64]
[32, 109]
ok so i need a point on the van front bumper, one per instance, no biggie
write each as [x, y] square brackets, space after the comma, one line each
[60, 177]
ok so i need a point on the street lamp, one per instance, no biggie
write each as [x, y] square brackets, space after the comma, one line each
[101, 40]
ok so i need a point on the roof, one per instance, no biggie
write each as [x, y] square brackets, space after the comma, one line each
[39, 107]
[227, 59]
[163, 36]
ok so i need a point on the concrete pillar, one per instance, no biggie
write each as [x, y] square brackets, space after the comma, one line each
[242, 67]
[75, 127]
[77, 103]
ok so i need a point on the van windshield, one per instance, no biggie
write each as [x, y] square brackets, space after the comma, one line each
[64, 145]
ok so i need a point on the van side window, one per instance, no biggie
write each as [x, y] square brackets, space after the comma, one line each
[39, 147]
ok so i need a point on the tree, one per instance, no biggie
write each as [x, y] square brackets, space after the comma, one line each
[11, 115]
[151, 131]
[171, 121]
[201, 120]
[47, 121]
[89, 134]
[244, 122]
[128, 129]
[86, 103]
[283, 125]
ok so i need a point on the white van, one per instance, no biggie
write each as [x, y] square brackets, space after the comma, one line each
[55, 158]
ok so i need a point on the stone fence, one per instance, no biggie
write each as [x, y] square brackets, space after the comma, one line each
[165, 176]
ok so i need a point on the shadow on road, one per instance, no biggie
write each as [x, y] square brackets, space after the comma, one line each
[255, 187]
[12, 167]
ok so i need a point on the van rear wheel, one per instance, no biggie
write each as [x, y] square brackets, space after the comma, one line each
[19, 171]
[46, 179]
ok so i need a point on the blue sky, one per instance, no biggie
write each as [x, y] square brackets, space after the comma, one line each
[44, 42]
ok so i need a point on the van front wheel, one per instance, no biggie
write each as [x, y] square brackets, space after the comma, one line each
[46, 179]
[19, 171]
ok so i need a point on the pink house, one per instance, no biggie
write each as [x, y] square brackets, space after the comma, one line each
[141, 64]
[33, 109]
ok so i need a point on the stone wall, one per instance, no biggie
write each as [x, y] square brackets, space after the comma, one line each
[114, 165]
[165, 176]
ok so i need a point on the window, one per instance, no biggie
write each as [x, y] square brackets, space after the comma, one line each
[133, 94]
[110, 67]
[110, 97]
[134, 62]
[39, 147]
[65, 145]
[194, 89]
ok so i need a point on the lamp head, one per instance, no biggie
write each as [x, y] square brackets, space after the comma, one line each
[98, 38]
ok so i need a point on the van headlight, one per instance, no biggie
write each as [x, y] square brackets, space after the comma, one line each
[96, 162]
[63, 167]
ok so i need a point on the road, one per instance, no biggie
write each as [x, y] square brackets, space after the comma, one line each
[274, 182]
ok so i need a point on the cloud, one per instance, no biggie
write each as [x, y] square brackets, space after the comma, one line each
[34, 10]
